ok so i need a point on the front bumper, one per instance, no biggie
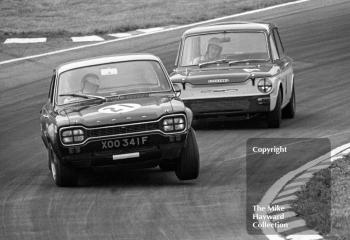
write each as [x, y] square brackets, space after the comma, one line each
[232, 106]
[159, 148]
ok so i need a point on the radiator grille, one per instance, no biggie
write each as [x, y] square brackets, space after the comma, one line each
[217, 105]
[114, 130]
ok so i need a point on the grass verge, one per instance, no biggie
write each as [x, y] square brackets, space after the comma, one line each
[324, 202]
[52, 18]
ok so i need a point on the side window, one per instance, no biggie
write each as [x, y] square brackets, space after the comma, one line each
[178, 54]
[274, 53]
[278, 43]
[52, 87]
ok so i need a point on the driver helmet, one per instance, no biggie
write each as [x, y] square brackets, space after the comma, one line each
[90, 80]
[215, 42]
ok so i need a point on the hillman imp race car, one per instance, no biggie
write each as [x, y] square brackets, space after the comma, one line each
[116, 110]
[235, 69]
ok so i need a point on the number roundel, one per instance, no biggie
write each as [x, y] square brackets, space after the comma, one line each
[120, 108]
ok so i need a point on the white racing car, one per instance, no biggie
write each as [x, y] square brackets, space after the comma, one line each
[235, 69]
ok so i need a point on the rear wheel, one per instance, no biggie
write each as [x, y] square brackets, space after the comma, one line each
[62, 175]
[274, 118]
[289, 110]
[187, 167]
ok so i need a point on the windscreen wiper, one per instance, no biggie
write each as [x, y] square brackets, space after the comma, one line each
[224, 60]
[134, 95]
[86, 96]
[245, 61]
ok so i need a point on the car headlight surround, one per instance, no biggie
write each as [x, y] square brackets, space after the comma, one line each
[173, 124]
[71, 136]
[265, 85]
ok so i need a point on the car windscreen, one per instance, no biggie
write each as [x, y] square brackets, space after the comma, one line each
[141, 76]
[233, 46]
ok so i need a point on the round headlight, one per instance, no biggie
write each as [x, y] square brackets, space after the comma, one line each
[265, 85]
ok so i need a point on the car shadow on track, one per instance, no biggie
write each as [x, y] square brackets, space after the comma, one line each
[229, 124]
[113, 177]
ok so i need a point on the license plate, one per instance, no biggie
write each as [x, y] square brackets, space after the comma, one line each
[124, 142]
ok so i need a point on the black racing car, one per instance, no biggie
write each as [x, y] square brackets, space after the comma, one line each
[116, 110]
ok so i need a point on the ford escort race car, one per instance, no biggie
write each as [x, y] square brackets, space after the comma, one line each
[116, 110]
[235, 69]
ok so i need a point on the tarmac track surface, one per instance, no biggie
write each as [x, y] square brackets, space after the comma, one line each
[151, 204]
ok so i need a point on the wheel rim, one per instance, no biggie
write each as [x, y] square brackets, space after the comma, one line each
[53, 170]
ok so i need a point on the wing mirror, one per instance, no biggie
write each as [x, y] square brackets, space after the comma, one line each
[281, 63]
[177, 90]
[277, 61]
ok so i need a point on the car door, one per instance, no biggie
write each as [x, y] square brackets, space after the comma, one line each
[285, 64]
[46, 113]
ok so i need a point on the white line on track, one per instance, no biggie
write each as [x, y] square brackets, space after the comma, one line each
[149, 33]
[285, 206]
[305, 235]
[334, 159]
[305, 175]
[91, 38]
[293, 224]
[288, 192]
[284, 199]
[294, 184]
[150, 30]
[319, 167]
[286, 215]
[120, 35]
[24, 40]
[346, 152]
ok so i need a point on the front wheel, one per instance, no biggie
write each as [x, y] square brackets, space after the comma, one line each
[62, 175]
[290, 109]
[274, 118]
[187, 167]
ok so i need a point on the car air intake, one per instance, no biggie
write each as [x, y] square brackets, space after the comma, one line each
[114, 130]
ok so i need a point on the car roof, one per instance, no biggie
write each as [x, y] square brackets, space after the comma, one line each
[104, 60]
[233, 25]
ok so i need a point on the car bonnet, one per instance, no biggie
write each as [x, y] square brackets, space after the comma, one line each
[119, 112]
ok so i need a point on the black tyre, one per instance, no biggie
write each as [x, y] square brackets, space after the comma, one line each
[197, 124]
[187, 166]
[274, 118]
[167, 166]
[62, 175]
[290, 109]
[200, 124]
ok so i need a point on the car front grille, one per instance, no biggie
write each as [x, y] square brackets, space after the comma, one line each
[217, 105]
[116, 130]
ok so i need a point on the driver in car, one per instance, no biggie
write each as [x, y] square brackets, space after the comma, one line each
[90, 83]
[213, 52]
